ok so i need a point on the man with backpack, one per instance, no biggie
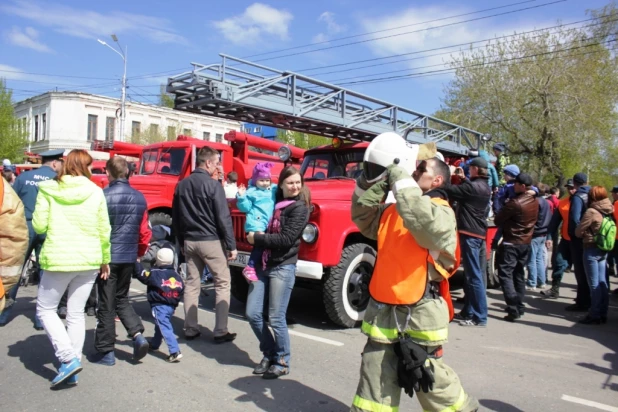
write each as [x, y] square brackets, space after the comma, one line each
[597, 231]
[579, 204]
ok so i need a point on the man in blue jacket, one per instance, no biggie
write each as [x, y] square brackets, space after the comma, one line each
[538, 250]
[579, 204]
[128, 215]
[27, 188]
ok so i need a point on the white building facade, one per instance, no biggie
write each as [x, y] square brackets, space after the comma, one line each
[73, 120]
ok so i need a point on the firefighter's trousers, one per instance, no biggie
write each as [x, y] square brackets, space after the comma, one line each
[378, 390]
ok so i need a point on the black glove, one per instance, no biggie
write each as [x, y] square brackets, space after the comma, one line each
[414, 373]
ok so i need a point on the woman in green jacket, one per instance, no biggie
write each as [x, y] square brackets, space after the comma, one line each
[72, 212]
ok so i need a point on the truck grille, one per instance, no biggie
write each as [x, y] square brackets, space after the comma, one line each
[238, 221]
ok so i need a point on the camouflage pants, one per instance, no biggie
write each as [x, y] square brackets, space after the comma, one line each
[378, 390]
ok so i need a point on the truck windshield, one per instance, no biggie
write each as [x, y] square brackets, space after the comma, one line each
[335, 164]
[169, 161]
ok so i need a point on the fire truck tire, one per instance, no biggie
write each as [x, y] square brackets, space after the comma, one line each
[492, 271]
[240, 287]
[346, 289]
[160, 218]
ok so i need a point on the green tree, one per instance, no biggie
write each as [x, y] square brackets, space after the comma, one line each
[165, 99]
[302, 140]
[13, 133]
[155, 135]
[551, 96]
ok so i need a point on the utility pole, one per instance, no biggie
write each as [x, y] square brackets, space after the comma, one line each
[123, 113]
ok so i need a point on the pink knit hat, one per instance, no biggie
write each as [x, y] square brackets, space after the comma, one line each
[261, 171]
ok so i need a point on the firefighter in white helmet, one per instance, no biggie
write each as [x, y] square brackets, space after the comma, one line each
[407, 318]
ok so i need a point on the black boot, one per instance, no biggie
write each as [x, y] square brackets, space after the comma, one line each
[554, 291]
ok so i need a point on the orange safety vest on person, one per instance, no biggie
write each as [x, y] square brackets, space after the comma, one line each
[563, 207]
[401, 272]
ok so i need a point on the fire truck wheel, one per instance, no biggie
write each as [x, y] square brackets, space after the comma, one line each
[346, 289]
[492, 271]
[160, 218]
[240, 287]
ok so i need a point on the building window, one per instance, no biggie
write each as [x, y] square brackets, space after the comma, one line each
[110, 129]
[135, 128]
[154, 129]
[171, 133]
[186, 132]
[43, 126]
[36, 128]
[219, 138]
[92, 127]
[206, 136]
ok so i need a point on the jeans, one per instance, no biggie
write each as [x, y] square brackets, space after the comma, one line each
[35, 242]
[511, 261]
[275, 285]
[475, 305]
[561, 260]
[163, 328]
[583, 290]
[114, 301]
[68, 342]
[536, 262]
[594, 264]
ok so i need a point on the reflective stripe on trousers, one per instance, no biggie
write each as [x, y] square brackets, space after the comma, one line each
[457, 405]
[392, 334]
[367, 405]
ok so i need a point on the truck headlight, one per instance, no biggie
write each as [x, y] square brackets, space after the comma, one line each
[310, 233]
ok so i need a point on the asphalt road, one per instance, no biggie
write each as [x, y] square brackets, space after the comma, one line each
[545, 362]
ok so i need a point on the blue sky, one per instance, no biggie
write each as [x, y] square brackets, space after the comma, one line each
[41, 39]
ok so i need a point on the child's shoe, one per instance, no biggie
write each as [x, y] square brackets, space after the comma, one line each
[174, 357]
[250, 274]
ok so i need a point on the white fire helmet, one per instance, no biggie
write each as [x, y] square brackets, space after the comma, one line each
[382, 152]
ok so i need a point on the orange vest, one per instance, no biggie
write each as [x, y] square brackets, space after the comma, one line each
[401, 272]
[563, 207]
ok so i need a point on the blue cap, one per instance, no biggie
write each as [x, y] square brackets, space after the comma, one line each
[513, 170]
[52, 154]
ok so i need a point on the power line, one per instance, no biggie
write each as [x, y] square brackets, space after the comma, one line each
[410, 32]
[389, 29]
[57, 75]
[435, 49]
[453, 69]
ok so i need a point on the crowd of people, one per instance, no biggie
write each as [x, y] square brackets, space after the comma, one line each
[533, 224]
[90, 239]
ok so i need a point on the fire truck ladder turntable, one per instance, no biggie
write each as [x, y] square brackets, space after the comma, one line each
[249, 92]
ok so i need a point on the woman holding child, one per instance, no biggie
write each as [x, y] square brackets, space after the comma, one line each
[276, 272]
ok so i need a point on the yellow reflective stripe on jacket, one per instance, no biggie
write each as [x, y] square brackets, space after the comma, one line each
[372, 406]
[392, 334]
[457, 405]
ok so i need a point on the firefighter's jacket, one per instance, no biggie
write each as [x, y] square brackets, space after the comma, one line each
[434, 228]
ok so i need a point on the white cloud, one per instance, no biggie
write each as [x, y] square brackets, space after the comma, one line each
[28, 38]
[421, 39]
[90, 24]
[258, 21]
[332, 27]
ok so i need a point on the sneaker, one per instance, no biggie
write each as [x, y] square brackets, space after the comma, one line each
[531, 288]
[275, 371]
[249, 274]
[90, 312]
[460, 317]
[62, 313]
[470, 322]
[552, 293]
[106, 359]
[66, 371]
[174, 357]
[140, 347]
[228, 337]
[72, 381]
[542, 286]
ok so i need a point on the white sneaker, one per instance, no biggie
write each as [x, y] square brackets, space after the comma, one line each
[531, 288]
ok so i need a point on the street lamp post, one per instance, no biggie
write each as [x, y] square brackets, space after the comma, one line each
[122, 54]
